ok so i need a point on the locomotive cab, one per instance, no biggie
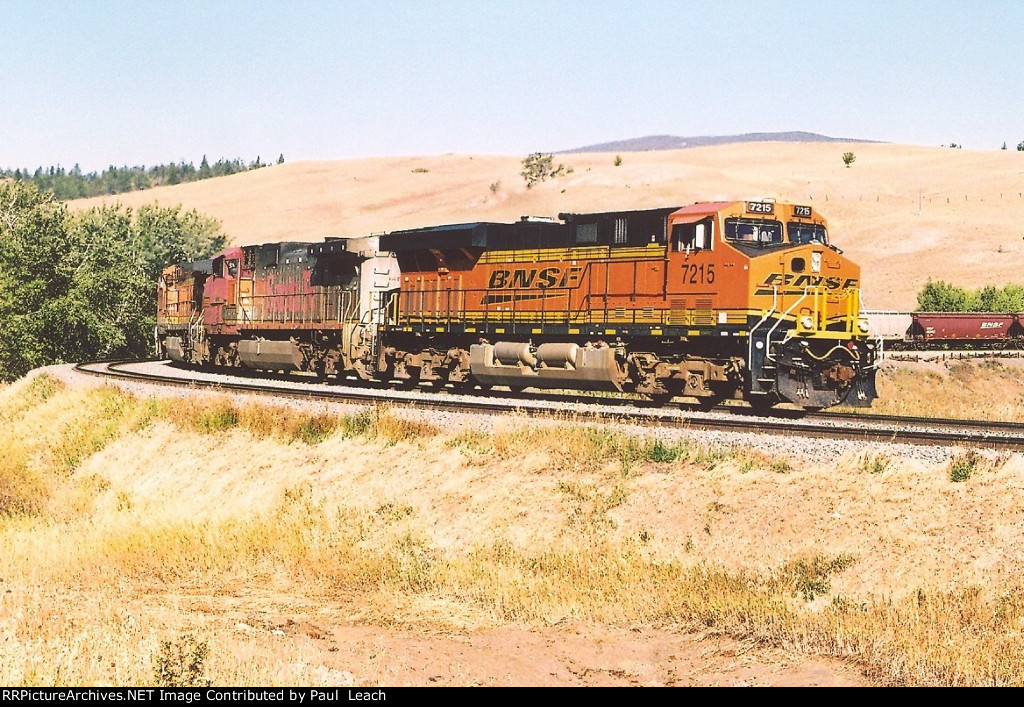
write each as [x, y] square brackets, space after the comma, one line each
[807, 340]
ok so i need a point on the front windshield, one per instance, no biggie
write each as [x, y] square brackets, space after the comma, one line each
[753, 231]
[801, 233]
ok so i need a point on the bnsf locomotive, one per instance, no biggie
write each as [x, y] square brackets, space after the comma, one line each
[744, 300]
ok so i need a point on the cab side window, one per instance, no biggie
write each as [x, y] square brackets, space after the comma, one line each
[691, 236]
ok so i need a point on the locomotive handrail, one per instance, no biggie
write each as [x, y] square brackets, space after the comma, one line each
[779, 321]
[879, 339]
[770, 312]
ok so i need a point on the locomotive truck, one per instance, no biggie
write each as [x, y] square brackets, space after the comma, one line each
[745, 300]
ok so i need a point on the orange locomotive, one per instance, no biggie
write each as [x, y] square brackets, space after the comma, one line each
[714, 300]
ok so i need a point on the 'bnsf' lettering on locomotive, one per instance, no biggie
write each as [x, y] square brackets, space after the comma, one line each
[776, 279]
[992, 325]
[534, 278]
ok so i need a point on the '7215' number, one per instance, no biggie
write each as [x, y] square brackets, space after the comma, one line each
[698, 274]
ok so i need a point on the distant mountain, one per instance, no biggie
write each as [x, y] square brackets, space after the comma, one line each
[672, 142]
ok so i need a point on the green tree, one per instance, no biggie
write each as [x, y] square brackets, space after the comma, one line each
[75, 184]
[280, 158]
[34, 265]
[82, 286]
[204, 169]
[539, 167]
[849, 158]
[942, 297]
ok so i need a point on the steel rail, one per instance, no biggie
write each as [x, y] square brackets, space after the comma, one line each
[856, 427]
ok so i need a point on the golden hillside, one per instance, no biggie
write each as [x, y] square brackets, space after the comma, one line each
[906, 213]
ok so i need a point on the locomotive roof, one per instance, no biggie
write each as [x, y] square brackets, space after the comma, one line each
[703, 207]
[204, 267]
[482, 234]
[525, 233]
[570, 217]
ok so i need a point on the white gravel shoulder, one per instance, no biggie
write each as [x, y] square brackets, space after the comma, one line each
[820, 450]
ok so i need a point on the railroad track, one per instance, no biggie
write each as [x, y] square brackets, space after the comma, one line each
[848, 426]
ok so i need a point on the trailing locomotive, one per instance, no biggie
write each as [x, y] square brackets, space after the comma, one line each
[745, 300]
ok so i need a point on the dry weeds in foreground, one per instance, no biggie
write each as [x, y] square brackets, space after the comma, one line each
[130, 525]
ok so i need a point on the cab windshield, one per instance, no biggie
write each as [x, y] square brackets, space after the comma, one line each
[754, 231]
[802, 233]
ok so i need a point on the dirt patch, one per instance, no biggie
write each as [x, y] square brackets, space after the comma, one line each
[351, 653]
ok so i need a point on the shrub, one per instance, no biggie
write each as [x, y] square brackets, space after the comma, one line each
[809, 577]
[539, 167]
[181, 663]
[661, 453]
[963, 466]
[875, 463]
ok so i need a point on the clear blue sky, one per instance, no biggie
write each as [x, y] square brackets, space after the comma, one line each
[145, 82]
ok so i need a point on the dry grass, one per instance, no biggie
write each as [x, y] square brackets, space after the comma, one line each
[984, 389]
[143, 541]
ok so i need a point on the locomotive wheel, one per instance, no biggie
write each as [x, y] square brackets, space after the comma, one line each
[411, 382]
[709, 402]
[660, 399]
[762, 405]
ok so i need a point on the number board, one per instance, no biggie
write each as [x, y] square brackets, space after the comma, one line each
[802, 211]
[760, 207]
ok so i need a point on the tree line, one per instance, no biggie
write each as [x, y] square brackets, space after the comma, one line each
[74, 184]
[939, 296]
[81, 285]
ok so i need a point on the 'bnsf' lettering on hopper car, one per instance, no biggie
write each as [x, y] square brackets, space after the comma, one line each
[672, 301]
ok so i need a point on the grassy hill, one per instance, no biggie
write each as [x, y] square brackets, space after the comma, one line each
[197, 537]
[906, 213]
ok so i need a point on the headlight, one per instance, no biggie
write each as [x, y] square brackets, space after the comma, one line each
[807, 322]
[863, 326]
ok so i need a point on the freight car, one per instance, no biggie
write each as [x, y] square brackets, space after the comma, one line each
[745, 300]
[948, 330]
